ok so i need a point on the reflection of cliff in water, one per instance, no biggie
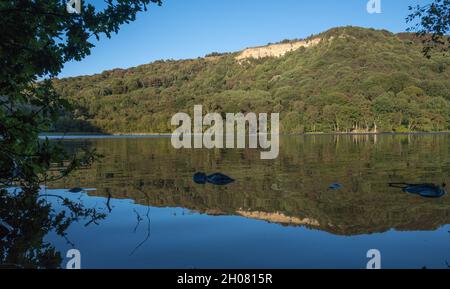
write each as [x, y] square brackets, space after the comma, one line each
[292, 190]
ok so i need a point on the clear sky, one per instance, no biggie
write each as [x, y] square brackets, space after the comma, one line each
[181, 29]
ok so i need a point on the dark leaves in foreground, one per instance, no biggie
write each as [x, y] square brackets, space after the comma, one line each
[432, 24]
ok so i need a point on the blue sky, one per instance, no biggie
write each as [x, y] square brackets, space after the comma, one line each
[181, 29]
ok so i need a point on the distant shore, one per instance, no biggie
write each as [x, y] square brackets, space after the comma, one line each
[75, 135]
[68, 136]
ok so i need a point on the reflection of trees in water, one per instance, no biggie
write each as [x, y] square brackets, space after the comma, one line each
[291, 190]
[27, 218]
[28, 214]
[139, 188]
[31, 58]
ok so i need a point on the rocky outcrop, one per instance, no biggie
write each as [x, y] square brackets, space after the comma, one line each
[275, 50]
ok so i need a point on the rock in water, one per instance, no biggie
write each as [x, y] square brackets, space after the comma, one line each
[76, 190]
[335, 187]
[426, 190]
[219, 179]
[215, 179]
[200, 178]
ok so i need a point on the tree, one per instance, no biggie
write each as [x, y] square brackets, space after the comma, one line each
[37, 38]
[432, 23]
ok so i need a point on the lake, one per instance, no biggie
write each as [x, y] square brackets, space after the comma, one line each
[277, 214]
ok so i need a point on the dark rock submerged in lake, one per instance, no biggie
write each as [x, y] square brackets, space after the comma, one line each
[423, 190]
[200, 178]
[217, 179]
[335, 187]
[426, 190]
[76, 190]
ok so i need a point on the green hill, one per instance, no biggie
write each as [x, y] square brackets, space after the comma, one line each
[348, 79]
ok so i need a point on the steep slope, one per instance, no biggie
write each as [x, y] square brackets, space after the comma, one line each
[352, 79]
[276, 50]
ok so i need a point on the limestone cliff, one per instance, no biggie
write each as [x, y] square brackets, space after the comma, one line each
[275, 50]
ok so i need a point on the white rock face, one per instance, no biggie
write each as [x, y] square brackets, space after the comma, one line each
[275, 50]
[278, 218]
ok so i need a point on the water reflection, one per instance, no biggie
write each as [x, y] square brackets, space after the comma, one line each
[294, 185]
[27, 216]
[279, 214]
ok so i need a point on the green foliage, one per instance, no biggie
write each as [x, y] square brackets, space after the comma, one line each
[354, 80]
[37, 38]
[432, 23]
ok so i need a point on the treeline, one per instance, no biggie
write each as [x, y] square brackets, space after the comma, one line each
[354, 80]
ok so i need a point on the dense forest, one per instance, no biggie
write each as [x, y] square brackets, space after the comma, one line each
[354, 80]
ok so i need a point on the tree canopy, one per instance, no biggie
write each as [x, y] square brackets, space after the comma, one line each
[354, 80]
[37, 37]
[432, 24]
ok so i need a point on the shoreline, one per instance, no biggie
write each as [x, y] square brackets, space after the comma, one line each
[76, 135]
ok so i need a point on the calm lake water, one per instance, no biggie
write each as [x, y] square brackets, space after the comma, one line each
[278, 213]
